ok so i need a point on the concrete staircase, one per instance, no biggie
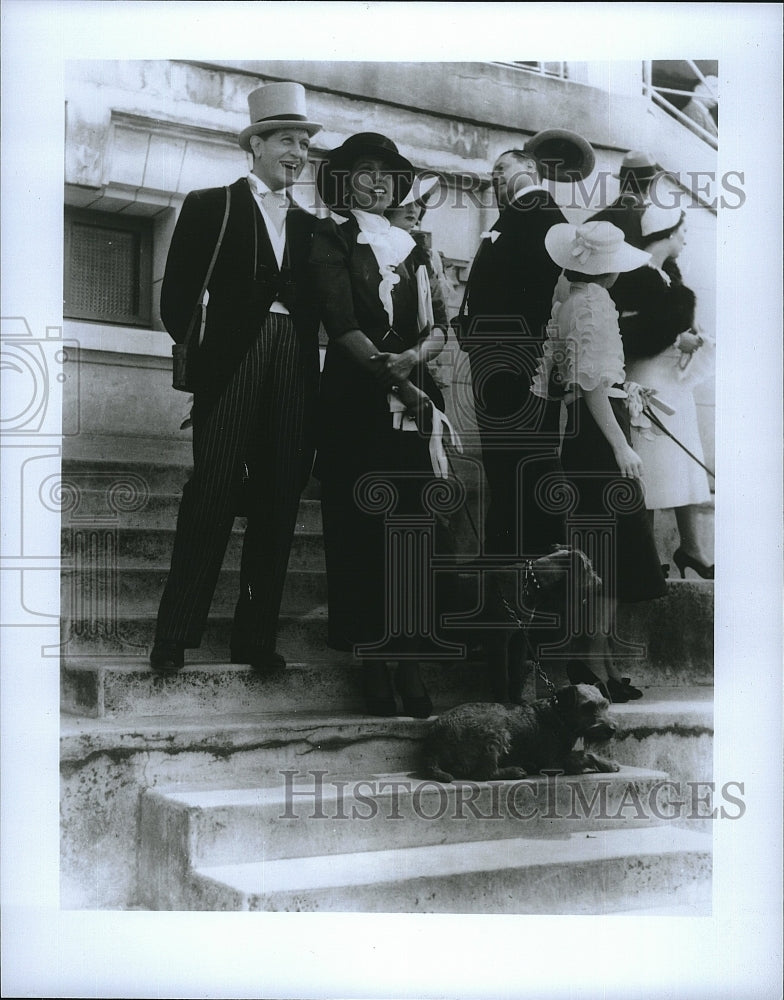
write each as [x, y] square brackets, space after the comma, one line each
[175, 791]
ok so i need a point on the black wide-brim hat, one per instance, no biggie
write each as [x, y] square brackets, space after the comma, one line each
[332, 176]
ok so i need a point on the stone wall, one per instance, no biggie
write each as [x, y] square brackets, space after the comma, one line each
[141, 134]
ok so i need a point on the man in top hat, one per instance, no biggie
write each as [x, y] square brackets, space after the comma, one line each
[637, 173]
[508, 302]
[255, 384]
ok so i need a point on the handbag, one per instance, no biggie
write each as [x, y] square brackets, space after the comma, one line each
[184, 354]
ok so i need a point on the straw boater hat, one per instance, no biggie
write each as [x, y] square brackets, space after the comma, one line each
[333, 172]
[593, 248]
[276, 106]
[638, 164]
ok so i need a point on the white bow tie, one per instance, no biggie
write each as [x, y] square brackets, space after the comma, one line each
[492, 235]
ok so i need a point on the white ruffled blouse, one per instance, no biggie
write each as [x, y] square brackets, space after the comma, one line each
[583, 344]
[390, 247]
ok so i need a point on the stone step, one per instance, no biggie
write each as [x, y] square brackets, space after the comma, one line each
[157, 511]
[672, 637]
[151, 548]
[310, 813]
[106, 762]
[572, 873]
[132, 591]
[105, 684]
[146, 494]
[127, 688]
[125, 482]
[344, 742]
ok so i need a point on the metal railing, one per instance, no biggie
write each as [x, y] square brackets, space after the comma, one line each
[559, 70]
[658, 95]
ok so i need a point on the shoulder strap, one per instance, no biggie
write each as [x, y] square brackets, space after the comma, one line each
[461, 312]
[210, 269]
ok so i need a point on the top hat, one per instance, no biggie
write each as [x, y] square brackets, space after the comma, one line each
[275, 106]
[332, 175]
[638, 164]
[562, 155]
[593, 248]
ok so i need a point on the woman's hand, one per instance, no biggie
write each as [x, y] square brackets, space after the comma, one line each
[393, 368]
[629, 462]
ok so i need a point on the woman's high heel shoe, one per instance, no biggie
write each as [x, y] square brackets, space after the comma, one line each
[684, 561]
[379, 692]
[416, 700]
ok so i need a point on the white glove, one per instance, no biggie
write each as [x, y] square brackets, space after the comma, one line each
[438, 457]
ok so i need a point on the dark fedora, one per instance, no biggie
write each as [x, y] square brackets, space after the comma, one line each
[333, 172]
[639, 165]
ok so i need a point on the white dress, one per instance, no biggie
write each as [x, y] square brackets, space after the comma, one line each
[670, 476]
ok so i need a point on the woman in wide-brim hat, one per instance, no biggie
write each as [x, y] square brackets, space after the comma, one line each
[333, 174]
[665, 350]
[585, 351]
[381, 415]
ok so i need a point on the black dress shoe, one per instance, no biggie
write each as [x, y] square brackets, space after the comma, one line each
[622, 691]
[413, 694]
[378, 690]
[263, 661]
[578, 672]
[167, 657]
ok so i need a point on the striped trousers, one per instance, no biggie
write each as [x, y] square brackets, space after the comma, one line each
[257, 421]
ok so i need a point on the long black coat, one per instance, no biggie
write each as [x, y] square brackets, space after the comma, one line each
[243, 285]
[357, 443]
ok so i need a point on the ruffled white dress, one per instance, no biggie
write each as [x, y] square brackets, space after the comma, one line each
[583, 345]
[584, 350]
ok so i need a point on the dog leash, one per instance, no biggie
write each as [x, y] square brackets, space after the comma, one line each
[657, 423]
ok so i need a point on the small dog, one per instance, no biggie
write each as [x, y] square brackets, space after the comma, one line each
[485, 742]
[518, 598]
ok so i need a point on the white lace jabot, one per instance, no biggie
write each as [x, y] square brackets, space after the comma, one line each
[390, 247]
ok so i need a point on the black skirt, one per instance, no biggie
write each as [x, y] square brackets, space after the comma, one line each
[379, 535]
[608, 511]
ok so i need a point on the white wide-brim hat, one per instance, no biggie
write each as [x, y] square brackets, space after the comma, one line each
[420, 192]
[275, 106]
[656, 219]
[593, 248]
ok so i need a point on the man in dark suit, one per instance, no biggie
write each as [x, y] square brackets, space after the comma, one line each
[255, 383]
[509, 301]
[638, 171]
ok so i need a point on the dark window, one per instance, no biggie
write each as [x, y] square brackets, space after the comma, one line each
[107, 267]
